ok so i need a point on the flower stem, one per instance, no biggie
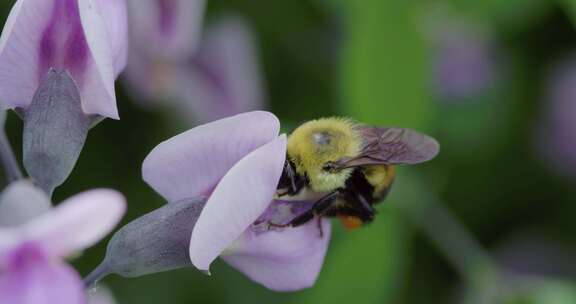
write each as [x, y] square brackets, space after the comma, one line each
[96, 275]
[8, 159]
[444, 230]
[461, 249]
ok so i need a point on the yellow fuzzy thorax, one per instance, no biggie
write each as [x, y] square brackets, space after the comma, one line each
[317, 142]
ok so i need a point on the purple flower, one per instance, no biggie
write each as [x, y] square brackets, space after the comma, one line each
[163, 35]
[166, 29]
[463, 63]
[557, 132]
[86, 38]
[31, 254]
[220, 79]
[225, 76]
[237, 162]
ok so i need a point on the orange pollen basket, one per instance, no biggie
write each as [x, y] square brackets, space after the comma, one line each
[350, 222]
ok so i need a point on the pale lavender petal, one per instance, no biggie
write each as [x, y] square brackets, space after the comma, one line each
[165, 29]
[115, 17]
[76, 224]
[225, 77]
[192, 163]
[285, 260]
[97, 87]
[19, 51]
[64, 35]
[20, 202]
[31, 278]
[240, 198]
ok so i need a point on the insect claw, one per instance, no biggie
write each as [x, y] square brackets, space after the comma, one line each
[274, 225]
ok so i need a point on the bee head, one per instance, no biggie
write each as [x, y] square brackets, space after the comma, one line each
[316, 145]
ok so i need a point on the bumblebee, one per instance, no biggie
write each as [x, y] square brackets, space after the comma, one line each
[346, 167]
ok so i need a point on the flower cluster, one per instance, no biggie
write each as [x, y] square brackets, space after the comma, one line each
[59, 60]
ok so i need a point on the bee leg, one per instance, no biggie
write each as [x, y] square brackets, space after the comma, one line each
[290, 181]
[302, 218]
[361, 202]
[320, 207]
[319, 224]
[365, 205]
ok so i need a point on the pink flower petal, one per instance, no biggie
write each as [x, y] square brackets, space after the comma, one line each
[225, 77]
[240, 198]
[64, 35]
[31, 278]
[285, 260]
[192, 163]
[75, 224]
[166, 29]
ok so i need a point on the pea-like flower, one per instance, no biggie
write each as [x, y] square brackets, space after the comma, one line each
[167, 29]
[32, 269]
[557, 139]
[236, 163]
[58, 63]
[224, 77]
[85, 38]
[204, 79]
[164, 35]
[464, 60]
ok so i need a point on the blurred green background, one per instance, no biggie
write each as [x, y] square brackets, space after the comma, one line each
[376, 61]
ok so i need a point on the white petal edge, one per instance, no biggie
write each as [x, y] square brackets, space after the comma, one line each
[192, 163]
[240, 198]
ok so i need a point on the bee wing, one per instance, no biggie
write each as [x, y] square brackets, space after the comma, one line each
[392, 146]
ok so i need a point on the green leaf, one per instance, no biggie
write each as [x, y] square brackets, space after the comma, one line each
[384, 68]
[556, 292]
[570, 7]
[511, 14]
[363, 265]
